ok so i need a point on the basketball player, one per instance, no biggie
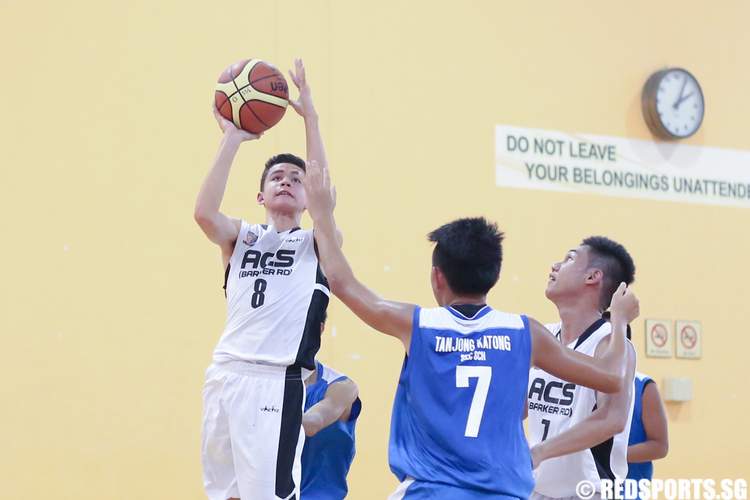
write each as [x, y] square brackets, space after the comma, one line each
[649, 437]
[276, 295]
[576, 433]
[332, 407]
[456, 427]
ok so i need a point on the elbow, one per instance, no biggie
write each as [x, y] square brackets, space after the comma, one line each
[336, 284]
[662, 450]
[613, 384]
[618, 424]
[203, 218]
[200, 216]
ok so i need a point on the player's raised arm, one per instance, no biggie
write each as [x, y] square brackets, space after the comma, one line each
[336, 405]
[306, 109]
[219, 228]
[606, 373]
[391, 318]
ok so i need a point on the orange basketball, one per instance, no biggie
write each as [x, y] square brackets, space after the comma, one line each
[253, 94]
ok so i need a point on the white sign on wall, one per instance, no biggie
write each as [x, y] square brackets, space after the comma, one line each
[551, 160]
[659, 338]
[688, 337]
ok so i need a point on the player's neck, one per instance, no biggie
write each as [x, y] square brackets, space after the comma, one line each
[283, 221]
[576, 318]
[476, 300]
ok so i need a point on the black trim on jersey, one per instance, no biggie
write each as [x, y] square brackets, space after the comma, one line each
[291, 421]
[628, 332]
[469, 310]
[226, 278]
[589, 331]
[648, 381]
[294, 229]
[264, 226]
[310, 342]
[602, 453]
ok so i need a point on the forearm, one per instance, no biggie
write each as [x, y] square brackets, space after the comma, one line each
[319, 417]
[614, 356]
[214, 185]
[314, 140]
[647, 451]
[332, 259]
[582, 436]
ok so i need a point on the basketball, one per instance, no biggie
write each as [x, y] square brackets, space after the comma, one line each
[253, 94]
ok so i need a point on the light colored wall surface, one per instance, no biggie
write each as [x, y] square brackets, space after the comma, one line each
[112, 297]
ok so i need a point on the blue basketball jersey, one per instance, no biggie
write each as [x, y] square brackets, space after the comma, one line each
[327, 455]
[459, 407]
[641, 470]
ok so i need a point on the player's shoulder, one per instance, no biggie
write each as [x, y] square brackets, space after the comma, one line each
[642, 377]
[329, 375]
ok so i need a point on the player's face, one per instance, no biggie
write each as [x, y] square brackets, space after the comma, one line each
[283, 191]
[568, 276]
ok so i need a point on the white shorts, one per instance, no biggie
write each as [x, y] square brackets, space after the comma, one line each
[252, 435]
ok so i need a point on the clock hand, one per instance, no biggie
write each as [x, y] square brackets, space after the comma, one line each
[679, 99]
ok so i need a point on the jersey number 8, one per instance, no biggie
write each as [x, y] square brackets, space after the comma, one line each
[259, 297]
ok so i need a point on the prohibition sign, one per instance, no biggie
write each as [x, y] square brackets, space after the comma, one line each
[688, 337]
[659, 335]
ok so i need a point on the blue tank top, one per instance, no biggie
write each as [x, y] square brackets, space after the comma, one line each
[327, 456]
[459, 406]
[641, 470]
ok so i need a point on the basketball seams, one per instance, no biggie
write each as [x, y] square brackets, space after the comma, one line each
[243, 85]
[256, 115]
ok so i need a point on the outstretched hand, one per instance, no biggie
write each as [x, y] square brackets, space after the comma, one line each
[625, 304]
[321, 196]
[304, 105]
[231, 130]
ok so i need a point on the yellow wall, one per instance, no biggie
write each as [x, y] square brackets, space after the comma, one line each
[112, 297]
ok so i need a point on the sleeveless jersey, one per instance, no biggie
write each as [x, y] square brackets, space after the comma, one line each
[327, 455]
[640, 470]
[276, 297]
[556, 405]
[458, 413]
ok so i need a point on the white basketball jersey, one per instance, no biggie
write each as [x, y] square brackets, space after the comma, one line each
[555, 406]
[276, 297]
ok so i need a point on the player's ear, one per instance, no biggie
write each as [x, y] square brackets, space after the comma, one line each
[594, 276]
[260, 199]
[438, 278]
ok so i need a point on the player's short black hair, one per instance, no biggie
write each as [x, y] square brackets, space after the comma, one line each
[614, 261]
[469, 252]
[281, 158]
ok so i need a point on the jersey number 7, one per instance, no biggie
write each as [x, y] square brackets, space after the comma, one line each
[483, 374]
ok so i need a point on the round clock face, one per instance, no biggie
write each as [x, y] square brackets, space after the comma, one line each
[679, 103]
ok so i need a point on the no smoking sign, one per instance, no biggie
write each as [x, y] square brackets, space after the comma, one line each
[689, 335]
[659, 343]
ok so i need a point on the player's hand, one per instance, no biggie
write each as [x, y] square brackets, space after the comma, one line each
[304, 105]
[320, 194]
[231, 130]
[624, 305]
